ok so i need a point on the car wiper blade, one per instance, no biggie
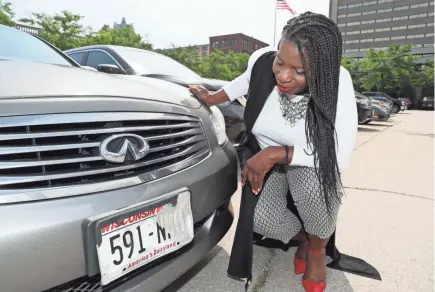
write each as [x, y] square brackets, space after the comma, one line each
[154, 75]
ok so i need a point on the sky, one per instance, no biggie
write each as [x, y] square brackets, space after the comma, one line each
[179, 22]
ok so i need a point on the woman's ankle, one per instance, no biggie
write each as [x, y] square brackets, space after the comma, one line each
[316, 266]
[301, 252]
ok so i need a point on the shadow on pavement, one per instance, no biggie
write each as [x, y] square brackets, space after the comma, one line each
[184, 279]
[367, 130]
[272, 272]
[283, 279]
[380, 124]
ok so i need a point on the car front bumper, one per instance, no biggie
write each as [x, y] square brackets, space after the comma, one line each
[427, 105]
[44, 238]
[364, 115]
[381, 114]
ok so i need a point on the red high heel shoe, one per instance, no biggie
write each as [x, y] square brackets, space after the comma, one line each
[300, 265]
[310, 286]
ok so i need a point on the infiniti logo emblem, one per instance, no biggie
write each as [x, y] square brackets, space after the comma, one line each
[119, 148]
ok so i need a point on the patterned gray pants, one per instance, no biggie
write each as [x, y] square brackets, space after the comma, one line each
[273, 219]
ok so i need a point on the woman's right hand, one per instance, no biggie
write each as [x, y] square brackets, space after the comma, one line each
[201, 93]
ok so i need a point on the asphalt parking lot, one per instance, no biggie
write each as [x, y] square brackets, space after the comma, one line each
[387, 219]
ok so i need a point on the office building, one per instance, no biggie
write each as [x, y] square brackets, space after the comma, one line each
[238, 43]
[377, 24]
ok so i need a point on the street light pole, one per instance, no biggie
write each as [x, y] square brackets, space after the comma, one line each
[274, 27]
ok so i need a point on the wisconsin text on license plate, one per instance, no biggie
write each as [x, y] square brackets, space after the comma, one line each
[144, 237]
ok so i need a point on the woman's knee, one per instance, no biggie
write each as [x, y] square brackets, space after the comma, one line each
[321, 227]
[265, 219]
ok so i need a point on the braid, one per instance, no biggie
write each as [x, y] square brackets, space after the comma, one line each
[322, 40]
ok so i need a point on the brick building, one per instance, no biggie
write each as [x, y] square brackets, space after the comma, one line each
[203, 50]
[238, 43]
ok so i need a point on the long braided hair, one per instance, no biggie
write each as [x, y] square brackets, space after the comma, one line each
[322, 40]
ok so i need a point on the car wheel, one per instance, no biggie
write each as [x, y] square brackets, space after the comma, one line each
[396, 109]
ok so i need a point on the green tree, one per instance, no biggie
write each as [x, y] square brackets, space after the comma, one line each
[222, 66]
[423, 76]
[62, 30]
[374, 70]
[402, 63]
[117, 36]
[6, 13]
[237, 62]
[388, 69]
[187, 56]
[350, 64]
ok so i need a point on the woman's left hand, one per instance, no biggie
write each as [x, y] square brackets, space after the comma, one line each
[256, 168]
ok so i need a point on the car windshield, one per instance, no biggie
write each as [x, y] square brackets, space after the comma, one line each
[18, 45]
[144, 62]
[386, 95]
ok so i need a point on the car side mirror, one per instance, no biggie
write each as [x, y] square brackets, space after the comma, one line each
[110, 69]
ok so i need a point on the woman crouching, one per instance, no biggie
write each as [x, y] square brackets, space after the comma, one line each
[301, 122]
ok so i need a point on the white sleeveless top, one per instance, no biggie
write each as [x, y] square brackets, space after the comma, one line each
[272, 129]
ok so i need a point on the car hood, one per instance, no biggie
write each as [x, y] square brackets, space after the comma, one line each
[20, 79]
[210, 84]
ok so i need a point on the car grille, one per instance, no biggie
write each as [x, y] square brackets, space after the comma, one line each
[46, 151]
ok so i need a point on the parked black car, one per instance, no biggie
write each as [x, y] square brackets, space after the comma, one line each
[143, 63]
[365, 109]
[380, 113]
[396, 104]
[427, 102]
[381, 109]
[406, 101]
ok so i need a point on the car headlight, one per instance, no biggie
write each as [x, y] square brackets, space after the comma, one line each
[218, 122]
[362, 101]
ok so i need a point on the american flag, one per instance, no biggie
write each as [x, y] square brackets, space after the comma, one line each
[282, 4]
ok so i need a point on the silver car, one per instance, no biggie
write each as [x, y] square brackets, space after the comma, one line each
[105, 183]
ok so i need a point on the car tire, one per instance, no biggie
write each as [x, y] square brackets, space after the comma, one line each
[395, 109]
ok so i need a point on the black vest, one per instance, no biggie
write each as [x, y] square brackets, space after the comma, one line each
[262, 82]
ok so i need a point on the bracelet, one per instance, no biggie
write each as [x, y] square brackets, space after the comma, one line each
[286, 153]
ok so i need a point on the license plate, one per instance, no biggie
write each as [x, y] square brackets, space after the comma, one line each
[142, 237]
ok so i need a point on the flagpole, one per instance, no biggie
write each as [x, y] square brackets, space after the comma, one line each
[274, 26]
